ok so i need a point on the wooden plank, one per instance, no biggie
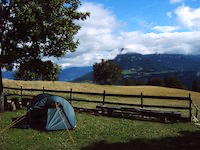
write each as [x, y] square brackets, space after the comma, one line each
[136, 109]
[123, 104]
[141, 100]
[196, 107]
[167, 97]
[70, 96]
[88, 93]
[89, 101]
[170, 107]
[146, 112]
[104, 96]
[10, 88]
[190, 105]
[124, 95]
[100, 94]
[128, 104]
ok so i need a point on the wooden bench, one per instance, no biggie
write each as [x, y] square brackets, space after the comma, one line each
[171, 116]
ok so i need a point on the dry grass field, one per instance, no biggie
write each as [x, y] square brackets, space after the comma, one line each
[85, 87]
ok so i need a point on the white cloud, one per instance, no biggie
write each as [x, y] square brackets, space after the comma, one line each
[165, 28]
[148, 43]
[176, 1]
[169, 14]
[98, 39]
[188, 17]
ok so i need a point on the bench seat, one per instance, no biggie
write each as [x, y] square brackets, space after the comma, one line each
[169, 115]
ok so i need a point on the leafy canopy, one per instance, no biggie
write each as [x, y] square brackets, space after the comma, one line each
[106, 72]
[44, 71]
[33, 29]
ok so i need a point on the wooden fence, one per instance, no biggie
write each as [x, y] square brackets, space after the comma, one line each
[70, 93]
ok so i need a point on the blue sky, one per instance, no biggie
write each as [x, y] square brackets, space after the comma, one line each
[139, 26]
[149, 12]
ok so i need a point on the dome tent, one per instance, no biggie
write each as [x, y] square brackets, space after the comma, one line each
[48, 112]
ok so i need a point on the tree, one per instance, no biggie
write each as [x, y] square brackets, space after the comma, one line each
[39, 71]
[156, 82]
[195, 86]
[106, 72]
[172, 82]
[34, 29]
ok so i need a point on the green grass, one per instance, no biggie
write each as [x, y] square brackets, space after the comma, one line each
[97, 132]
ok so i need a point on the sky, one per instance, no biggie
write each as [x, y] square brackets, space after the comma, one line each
[138, 26]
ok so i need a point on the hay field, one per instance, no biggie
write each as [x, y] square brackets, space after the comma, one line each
[85, 87]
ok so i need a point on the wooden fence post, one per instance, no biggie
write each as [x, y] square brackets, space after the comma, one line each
[141, 100]
[104, 96]
[43, 90]
[5, 102]
[70, 96]
[21, 93]
[190, 106]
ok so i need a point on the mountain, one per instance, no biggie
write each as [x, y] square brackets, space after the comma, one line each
[8, 74]
[85, 78]
[177, 61]
[67, 74]
[137, 67]
[72, 73]
[138, 62]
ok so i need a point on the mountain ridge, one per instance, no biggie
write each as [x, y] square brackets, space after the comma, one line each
[185, 68]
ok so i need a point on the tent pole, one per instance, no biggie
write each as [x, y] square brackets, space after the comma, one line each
[12, 124]
[64, 123]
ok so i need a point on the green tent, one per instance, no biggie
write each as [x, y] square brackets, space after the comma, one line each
[48, 112]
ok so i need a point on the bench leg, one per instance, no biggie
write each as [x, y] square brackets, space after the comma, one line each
[110, 112]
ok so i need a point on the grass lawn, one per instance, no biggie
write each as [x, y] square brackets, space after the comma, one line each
[97, 132]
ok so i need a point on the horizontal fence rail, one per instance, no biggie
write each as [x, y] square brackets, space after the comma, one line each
[104, 95]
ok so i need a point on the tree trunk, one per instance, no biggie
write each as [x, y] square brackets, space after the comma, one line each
[1, 92]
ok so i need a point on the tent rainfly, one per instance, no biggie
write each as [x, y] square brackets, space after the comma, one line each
[48, 112]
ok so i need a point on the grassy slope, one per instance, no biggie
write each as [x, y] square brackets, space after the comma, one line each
[147, 90]
[95, 132]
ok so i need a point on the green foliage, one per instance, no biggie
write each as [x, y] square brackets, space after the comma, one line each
[156, 82]
[32, 29]
[195, 86]
[38, 70]
[172, 82]
[106, 72]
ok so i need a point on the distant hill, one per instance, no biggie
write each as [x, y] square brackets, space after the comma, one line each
[72, 73]
[177, 62]
[185, 68]
[8, 74]
[139, 62]
[67, 74]
[85, 78]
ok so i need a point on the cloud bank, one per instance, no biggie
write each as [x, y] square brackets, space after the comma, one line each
[188, 17]
[102, 36]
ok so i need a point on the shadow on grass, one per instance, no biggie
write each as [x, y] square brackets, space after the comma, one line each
[186, 141]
